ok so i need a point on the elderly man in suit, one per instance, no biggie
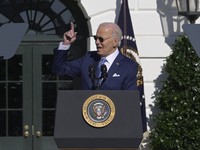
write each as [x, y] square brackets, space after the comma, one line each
[121, 70]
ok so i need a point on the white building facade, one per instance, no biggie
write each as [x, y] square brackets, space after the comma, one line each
[28, 88]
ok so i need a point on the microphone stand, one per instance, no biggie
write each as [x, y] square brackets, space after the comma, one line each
[98, 84]
[92, 76]
[103, 76]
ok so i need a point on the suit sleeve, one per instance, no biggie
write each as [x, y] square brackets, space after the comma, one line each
[62, 67]
[130, 81]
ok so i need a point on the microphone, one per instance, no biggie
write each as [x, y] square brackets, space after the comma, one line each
[92, 74]
[104, 73]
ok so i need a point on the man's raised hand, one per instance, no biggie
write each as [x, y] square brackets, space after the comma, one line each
[70, 36]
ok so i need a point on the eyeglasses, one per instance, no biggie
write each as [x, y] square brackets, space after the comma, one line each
[100, 38]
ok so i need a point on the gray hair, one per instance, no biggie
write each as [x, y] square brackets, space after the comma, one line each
[117, 32]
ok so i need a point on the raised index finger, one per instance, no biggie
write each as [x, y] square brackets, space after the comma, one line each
[72, 26]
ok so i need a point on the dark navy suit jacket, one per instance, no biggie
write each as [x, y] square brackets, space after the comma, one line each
[122, 74]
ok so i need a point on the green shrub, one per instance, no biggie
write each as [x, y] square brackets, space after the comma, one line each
[178, 121]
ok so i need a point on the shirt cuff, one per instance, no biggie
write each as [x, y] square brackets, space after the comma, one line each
[63, 47]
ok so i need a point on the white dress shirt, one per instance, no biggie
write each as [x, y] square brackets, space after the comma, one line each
[110, 59]
[63, 47]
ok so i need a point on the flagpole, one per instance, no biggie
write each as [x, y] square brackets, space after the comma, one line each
[125, 29]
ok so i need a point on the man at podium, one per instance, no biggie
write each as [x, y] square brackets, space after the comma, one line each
[105, 69]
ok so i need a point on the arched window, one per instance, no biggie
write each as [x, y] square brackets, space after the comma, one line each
[44, 16]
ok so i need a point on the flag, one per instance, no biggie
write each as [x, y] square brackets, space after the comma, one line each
[129, 48]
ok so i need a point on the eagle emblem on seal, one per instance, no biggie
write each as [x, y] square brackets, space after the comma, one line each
[99, 111]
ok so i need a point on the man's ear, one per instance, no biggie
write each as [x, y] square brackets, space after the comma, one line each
[115, 43]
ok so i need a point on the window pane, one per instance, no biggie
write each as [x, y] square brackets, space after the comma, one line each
[2, 70]
[15, 95]
[2, 123]
[49, 95]
[48, 118]
[15, 123]
[15, 68]
[47, 61]
[2, 95]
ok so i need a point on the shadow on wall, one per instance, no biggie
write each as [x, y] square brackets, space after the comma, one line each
[158, 86]
[154, 110]
[172, 27]
[167, 19]
[170, 21]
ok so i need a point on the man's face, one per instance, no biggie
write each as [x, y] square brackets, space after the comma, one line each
[108, 46]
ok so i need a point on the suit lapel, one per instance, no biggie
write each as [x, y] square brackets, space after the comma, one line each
[115, 65]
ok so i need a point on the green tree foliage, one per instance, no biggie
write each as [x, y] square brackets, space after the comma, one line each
[178, 122]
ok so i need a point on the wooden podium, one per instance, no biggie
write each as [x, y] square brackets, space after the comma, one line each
[73, 132]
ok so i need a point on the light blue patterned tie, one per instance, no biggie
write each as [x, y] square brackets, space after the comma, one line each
[103, 60]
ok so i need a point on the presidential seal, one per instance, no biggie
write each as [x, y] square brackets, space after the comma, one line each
[98, 110]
